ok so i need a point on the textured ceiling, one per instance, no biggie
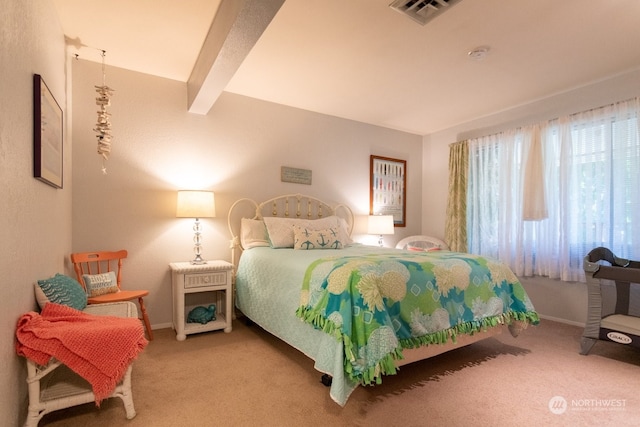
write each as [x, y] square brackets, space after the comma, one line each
[361, 60]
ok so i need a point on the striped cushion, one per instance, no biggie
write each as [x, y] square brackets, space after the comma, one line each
[100, 284]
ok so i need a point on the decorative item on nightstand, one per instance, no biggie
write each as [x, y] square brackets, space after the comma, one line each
[196, 204]
[202, 314]
[380, 224]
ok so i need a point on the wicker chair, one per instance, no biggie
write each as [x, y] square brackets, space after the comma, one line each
[55, 386]
[422, 242]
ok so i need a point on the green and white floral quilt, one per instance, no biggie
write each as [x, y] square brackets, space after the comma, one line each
[380, 304]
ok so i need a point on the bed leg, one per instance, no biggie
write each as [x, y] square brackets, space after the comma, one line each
[326, 380]
[516, 327]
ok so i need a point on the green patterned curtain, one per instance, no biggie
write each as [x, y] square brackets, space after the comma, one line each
[456, 221]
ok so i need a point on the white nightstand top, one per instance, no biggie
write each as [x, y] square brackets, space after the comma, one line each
[187, 267]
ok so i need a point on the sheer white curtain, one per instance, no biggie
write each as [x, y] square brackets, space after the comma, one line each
[587, 172]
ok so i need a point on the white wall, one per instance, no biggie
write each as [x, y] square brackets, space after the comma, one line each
[553, 299]
[236, 150]
[35, 219]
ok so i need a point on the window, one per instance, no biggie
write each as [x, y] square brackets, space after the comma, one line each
[591, 182]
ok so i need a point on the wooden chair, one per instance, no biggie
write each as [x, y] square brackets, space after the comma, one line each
[103, 262]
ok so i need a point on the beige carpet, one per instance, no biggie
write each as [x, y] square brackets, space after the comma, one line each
[249, 378]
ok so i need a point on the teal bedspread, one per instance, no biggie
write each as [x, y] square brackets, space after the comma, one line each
[379, 304]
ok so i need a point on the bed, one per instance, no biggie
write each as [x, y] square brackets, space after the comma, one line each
[360, 312]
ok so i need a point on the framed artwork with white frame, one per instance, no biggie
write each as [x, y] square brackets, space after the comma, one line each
[388, 188]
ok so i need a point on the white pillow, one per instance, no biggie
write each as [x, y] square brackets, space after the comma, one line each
[280, 230]
[306, 239]
[41, 298]
[253, 233]
[343, 227]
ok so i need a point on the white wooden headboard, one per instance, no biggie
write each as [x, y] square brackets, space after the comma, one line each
[287, 206]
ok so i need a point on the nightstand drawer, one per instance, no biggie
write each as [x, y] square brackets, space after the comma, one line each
[202, 280]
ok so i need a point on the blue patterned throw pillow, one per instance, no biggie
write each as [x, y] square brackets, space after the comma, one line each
[306, 239]
[61, 289]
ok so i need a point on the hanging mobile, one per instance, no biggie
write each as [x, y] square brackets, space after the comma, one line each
[103, 126]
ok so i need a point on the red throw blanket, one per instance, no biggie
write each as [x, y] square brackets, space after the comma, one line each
[98, 348]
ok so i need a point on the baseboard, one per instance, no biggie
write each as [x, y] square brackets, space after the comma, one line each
[560, 320]
[161, 326]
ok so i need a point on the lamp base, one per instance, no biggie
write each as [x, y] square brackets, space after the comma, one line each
[198, 261]
[197, 249]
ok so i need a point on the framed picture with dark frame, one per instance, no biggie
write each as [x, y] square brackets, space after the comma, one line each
[388, 188]
[47, 135]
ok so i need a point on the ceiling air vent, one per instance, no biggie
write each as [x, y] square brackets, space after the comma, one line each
[422, 11]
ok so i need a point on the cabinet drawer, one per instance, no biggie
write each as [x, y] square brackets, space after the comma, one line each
[202, 280]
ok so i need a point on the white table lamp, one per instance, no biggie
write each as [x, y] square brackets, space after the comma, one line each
[380, 224]
[196, 204]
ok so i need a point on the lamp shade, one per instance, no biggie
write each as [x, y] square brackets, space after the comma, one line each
[195, 204]
[380, 224]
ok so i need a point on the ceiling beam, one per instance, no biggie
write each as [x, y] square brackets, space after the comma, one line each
[235, 29]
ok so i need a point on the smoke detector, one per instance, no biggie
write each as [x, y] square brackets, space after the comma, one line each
[479, 53]
[422, 11]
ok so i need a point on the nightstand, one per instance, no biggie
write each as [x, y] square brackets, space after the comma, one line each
[201, 285]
